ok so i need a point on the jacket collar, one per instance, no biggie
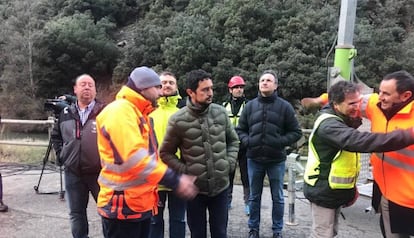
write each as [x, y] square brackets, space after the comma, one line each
[400, 108]
[135, 98]
[268, 99]
[351, 122]
[196, 108]
[168, 101]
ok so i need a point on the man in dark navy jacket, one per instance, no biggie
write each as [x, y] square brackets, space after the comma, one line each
[266, 126]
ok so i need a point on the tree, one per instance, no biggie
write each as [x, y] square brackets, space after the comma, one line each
[380, 34]
[119, 12]
[192, 46]
[45, 44]
[76, 45]
[17, 83]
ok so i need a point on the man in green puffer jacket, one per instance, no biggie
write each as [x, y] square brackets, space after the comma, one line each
[203, 133]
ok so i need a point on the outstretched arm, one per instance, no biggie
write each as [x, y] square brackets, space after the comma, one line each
[315, 103]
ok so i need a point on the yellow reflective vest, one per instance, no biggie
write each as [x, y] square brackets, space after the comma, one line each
[343, 170]
[167, 106]
[234, 118]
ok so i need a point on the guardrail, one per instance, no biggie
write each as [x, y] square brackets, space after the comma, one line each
[50, 122]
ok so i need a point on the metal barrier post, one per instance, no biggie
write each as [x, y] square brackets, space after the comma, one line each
[291, 164]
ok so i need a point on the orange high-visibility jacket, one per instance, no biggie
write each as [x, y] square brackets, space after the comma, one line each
[131, 168]
[393, 171]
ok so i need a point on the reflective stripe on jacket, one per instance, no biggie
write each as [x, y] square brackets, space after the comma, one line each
[393, 171]
[74, 143]
[343, 170]
[233, 118]
[131, 168]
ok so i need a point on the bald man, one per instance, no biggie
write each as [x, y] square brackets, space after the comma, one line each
[75, 142]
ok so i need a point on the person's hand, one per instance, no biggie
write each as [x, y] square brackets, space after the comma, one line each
[411, 130]
[309, 103]
[350, 203]
[58, 161]
[186, 188]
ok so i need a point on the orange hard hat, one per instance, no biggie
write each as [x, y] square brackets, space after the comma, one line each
[236, 81]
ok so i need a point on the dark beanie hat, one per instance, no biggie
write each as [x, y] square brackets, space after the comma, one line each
[142, 78]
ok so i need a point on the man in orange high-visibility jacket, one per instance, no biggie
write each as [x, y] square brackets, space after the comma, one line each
[393, 191]
[131, 168]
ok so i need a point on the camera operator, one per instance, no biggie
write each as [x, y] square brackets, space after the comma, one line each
[69, 99]
[74, 140]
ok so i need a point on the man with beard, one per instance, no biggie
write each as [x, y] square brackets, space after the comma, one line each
[393, 188]
[168, 104]
[234, 106]
[74, 140]
[131, 168]
[208, 143]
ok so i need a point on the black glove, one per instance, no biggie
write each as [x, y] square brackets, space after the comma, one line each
[354, 122]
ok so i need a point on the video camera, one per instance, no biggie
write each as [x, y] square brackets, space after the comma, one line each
[56, 105]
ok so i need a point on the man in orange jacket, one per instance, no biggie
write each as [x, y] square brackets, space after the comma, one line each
[131, 167]
[393, 189]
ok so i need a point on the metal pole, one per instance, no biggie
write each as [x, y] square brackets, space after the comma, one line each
[291, 163]
[345, 51]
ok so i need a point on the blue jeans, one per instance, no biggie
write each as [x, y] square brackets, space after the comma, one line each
[275, 172]
[176, 211]
[77, 194]
[217, 213]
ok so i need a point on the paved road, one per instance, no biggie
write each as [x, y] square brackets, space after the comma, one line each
[34, 215]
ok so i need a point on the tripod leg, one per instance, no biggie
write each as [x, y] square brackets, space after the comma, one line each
[45, 159]
[61, 192]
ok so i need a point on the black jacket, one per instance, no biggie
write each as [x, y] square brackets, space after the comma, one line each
[266, 126]
[76, 145]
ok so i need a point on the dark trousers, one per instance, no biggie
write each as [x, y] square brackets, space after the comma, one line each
[176, 211]
[217, 213]
[77, 195]
[242, 159]
[113, 228]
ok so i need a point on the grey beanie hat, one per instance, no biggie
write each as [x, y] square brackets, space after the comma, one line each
[142, 78]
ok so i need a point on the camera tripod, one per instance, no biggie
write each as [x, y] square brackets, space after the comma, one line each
[45, 159]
